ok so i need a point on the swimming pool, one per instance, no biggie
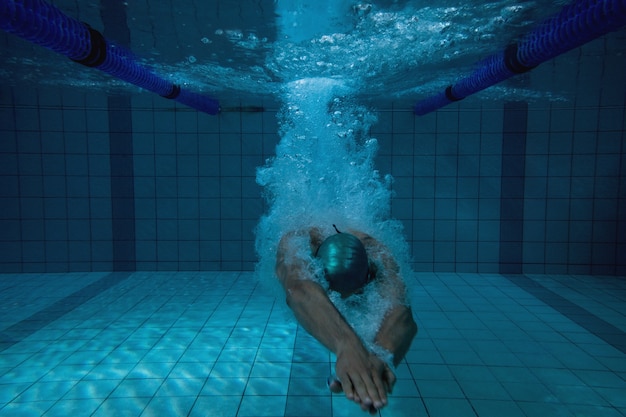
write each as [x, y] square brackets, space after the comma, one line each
[127, 238]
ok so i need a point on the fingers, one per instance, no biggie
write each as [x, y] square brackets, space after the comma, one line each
[348, 389]
[371, 409]
[390, 379]
[334, 384]
[380, 389]
[354, 390]
[367, 384]
[368, 391]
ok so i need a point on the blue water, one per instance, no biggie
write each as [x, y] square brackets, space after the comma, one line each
[384, 49]
[137, 236]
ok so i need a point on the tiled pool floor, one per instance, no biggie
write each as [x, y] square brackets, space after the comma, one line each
[217, 344]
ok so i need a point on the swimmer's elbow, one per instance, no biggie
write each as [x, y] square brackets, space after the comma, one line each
[295, 294]
[412, 328]
[402, 317]
[299, 292]
[290, 300]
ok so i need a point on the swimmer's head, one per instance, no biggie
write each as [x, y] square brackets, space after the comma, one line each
[345, 263]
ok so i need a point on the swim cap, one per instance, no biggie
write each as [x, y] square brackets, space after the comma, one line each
[345, 263]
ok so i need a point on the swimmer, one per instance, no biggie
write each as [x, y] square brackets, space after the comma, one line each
[351, 261]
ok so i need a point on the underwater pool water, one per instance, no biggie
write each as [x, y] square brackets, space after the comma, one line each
[137, 236]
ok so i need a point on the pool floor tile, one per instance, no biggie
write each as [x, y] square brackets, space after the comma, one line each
[214, 343]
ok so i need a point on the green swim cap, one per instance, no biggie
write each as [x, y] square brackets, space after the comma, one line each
[345, 263]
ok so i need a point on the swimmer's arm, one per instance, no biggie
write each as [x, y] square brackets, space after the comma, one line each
[364, 378]
[395, 289]
[317, 237]
[310, 303]
[397, 332]
[398, 327]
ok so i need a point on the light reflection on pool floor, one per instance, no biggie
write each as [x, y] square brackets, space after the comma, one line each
[216, 344]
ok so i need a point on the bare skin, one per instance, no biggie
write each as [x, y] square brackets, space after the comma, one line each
[365, 378]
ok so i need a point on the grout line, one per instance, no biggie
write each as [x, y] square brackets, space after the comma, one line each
[584, 318]
[37, 321]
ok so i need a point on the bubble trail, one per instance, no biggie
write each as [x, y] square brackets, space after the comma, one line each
[323, 173]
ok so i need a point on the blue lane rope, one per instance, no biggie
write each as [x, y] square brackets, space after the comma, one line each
[46, 25]
[575, 25]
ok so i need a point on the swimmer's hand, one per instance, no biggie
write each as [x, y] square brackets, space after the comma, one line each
[365, 378]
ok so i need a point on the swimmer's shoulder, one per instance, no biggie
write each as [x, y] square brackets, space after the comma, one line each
[317, 237]
[367, 240]
[361, 235]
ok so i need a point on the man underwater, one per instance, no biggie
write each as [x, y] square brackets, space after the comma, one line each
[351, 263]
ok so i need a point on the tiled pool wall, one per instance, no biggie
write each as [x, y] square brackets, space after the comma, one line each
[90, 182]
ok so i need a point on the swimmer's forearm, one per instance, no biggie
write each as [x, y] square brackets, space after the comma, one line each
[310, 303]
[364, 378]
[318, 316]
[397, 332]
